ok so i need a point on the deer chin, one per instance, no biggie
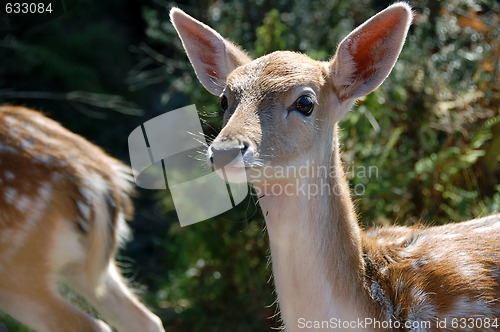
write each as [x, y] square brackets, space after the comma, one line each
[233, 174]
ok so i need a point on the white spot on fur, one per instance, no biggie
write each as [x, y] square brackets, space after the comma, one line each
[84, 210]
[10, 195]
[380, 297]
[9, 175]
[26, 143]
[421, 309]
[401, 240]
[23, 203]
[55, 176]
[95, 187]
[404, 254]
[10, 120]
[465, 307]
[45, 190]
[33, 216]
[7, 148]
[43, 121]
[438, 256]
[48, 159]
[466, 269]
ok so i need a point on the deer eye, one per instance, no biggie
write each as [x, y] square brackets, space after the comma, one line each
[304, 104]
[223, 103]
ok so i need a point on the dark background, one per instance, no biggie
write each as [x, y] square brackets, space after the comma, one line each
[432, 130]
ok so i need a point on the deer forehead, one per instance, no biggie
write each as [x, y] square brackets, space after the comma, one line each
[276, 74]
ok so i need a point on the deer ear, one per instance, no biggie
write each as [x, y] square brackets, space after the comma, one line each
[366, 56]
[213, 57]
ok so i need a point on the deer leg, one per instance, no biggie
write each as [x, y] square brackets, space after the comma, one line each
[47, 311]
[116, 302]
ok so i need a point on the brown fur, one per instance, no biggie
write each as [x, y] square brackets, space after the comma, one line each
[62, 204]
[325, 266]
[444, 265]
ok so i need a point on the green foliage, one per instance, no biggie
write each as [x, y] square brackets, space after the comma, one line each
[217, 269]
[438, 122]
[270, 34]
[12, 325]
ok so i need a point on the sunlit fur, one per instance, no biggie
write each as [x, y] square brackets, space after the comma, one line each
[325, 266]
[62, 207]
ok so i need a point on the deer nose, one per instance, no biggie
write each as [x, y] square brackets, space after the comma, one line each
[223, 153]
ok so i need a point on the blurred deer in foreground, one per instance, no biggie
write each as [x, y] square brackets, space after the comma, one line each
[283, 109]
[62, 207]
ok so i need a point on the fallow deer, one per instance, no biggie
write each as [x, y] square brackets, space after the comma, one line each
[63, 204]
[282, 110]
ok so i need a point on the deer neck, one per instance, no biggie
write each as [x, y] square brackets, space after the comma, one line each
[315, 245]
